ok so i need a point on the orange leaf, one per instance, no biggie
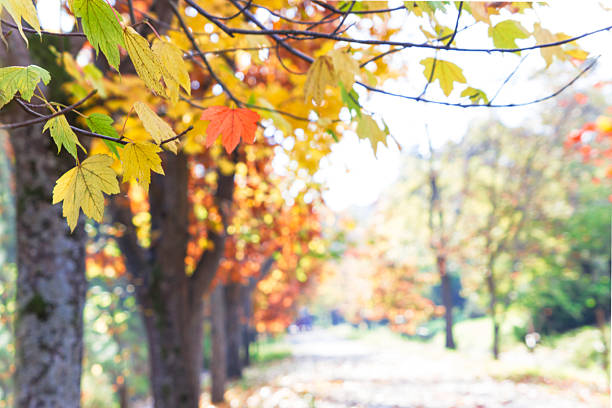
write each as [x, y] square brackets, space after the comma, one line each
[231, 124]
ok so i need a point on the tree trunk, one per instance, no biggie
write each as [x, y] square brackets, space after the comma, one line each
[495, 339]
[218, 366]
[447, 300]
[247, 328]
[51, 282]
[172, 310]
[246, 344]
[492, 307]
[175, 336]
[124, 397]
[233, 329]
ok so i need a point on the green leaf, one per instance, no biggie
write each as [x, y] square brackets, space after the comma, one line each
[350, 99]
[333, 134]
[63, 135]
[22, 79]
[101, 26]
[506, 33]
[103, 124]
[445, 72]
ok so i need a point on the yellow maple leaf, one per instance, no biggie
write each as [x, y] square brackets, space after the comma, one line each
[544, 36]
[367, 128]
[138, 160]
[174, 70]
[145, 61]
[22, 9]
[320, 74]
[345, 67]
[572, 50]
[156, 127]
[82, 187]
[445, 72]
[505, 34]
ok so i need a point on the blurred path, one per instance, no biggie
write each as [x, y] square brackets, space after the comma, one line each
[328, 371]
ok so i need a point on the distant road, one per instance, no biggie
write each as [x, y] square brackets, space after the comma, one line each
[329, 371]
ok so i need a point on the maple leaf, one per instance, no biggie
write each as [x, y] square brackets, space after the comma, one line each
[345, 67]
[174, 70]
[505, 34]
[338, 66]
[445, 72]
[82, 186]
[138, 160]
[475, 95]
[367, 128]
[480, 11]
[320, 74]
[22, 9]
[101, 26]
[429, 7]
[156, 127]
[103, 124]
[544, 36]
[231, 124]
[22, 79]
[63, 135]
[144, 60]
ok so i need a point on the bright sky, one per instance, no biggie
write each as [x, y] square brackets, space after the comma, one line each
[354, 177]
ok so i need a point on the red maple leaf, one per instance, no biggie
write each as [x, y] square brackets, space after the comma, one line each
[231, 124]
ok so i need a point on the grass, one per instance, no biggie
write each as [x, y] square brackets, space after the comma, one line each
[476, 335]
[268, 350]
[558, 359]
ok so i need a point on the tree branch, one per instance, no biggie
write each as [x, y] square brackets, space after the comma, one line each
[43, 118]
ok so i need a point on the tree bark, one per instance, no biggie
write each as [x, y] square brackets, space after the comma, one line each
[173, 312]
[492, 306]
[51, 281]
[175, 337]
[447, 301]
[233, 314]
[218, 366]
[124, 397]
[247, 327]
